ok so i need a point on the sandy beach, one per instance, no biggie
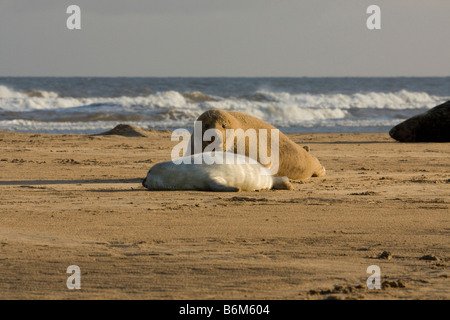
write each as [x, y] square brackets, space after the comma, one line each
[78, 200]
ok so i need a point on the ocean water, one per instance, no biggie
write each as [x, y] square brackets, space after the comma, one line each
[94, 105]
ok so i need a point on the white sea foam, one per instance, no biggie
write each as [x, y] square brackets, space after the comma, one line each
[38, 110]
[378, 100]
[6, 92]
[17, 101]
[102, 126]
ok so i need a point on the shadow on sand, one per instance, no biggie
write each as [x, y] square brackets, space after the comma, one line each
[49, 182]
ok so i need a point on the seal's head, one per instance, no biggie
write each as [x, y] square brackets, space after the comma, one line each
[218, 120]
[405, 132]
[162, 176]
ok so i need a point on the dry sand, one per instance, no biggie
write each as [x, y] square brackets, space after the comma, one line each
[77, 200]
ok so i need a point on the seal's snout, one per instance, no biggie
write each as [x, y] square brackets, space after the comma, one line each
[143, 182]
[403, 133]
[393, 132]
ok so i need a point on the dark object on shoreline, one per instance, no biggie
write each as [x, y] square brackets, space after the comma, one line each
[431, 126]
[126, 130]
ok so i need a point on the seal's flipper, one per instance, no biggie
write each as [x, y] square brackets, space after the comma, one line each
[282, 183]
[321, 172]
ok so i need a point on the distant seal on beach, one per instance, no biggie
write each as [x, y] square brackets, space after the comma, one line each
[431, 126]
[236, 173]
[127, 130]
[295, 161]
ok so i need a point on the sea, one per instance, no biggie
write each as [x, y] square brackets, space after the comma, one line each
[305, 105]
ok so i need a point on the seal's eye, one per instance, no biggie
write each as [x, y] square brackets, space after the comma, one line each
[224, 126]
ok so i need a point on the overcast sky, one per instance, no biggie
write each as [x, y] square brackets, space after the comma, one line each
[315, 38]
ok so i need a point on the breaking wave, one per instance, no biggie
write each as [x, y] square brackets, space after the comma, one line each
[38, 109]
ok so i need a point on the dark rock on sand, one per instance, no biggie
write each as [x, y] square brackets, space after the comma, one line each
[431, 126]
[394, 284]
[385, 255]
[429, 257]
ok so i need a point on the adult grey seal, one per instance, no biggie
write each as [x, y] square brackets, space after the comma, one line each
[431, 126]
[295, 162]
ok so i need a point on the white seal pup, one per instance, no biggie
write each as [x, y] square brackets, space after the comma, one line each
[203, 172]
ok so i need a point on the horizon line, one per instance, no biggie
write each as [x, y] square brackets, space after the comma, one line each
[217, 77]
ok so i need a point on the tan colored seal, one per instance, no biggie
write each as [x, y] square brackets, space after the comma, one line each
[295, 161]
